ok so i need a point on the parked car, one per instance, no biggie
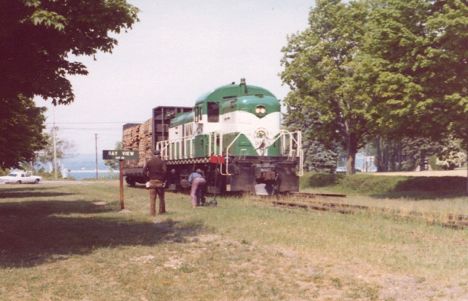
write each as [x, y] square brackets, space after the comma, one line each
[20, 177]
[342, 169]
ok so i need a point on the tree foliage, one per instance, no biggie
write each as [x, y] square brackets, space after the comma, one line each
[406, 154]
[21, 125]
[40, 41]
[389, 68]
[317, 70]
[414, 52]
[40, 38]
[114, 164]
[63, 148]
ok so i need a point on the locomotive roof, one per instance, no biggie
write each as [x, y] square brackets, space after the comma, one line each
[182, 118]
[233, 90]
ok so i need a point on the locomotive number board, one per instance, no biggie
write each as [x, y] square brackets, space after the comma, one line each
[119, 155]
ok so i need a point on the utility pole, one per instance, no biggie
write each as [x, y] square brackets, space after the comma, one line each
[95, 144]
[54, 142]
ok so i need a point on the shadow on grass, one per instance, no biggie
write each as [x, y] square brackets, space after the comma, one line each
[427, 188]
[391, 186]
[29, 192]
[32, 233]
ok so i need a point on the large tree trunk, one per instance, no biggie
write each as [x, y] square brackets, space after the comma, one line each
[422, 160]
[351, 150]
[382, 147]
[378, 155]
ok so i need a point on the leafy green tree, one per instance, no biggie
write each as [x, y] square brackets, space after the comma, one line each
[63, 148]
[114, 164]
[39, 43]
[405, 154]
[451, 156]
[317, 68]
[414, 59]
[319, 158]
[21, 125]
[387, 68]
[40, 39]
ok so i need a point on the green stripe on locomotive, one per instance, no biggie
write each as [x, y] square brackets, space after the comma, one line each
[243, 147]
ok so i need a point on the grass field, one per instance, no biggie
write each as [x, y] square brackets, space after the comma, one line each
[71, 242]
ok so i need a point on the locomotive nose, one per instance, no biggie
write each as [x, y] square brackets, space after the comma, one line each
[261, 138]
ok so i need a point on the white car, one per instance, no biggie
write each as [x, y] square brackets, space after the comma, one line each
[20, 177]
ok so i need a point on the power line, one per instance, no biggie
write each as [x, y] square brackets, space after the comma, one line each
[92, 122]
[90, 129]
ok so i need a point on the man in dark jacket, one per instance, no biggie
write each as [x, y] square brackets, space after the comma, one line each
[155, 169]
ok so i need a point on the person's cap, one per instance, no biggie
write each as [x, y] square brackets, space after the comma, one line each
[157, 152]
[199, 170]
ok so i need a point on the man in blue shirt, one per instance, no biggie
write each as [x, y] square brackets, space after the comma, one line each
[198, 182]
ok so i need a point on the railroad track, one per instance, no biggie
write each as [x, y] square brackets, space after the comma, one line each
[334, 203]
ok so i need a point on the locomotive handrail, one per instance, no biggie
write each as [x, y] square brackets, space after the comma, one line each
[227, 156]
[297, 142]
[166, 148]
[213, 148]
[292, 142]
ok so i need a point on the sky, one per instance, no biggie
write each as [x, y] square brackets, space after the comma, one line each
[178, 51]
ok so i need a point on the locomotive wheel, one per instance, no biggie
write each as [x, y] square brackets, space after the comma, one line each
[131, 182]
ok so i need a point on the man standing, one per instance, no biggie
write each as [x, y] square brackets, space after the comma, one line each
[155, 169]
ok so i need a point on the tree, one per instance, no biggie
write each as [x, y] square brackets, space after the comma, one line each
[114, 164]
[413, 55]
[21, 125]
[40, 39]
[382, 68]
[317, 68]
[319, 158]
[451, 156]
[417, 53]
[39, 42]
[63, 148]
[406, 153]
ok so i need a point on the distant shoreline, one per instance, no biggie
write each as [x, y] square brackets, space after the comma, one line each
[91, 170]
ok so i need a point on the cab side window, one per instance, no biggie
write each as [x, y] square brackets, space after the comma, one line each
[198, 113]
[213, 112]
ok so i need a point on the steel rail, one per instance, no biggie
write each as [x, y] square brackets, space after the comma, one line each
[323, 202]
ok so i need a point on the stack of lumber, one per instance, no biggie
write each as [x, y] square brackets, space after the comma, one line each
[138, 138]
[144, 148]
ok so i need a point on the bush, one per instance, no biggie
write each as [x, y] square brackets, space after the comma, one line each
[396, 186]
[323, 179]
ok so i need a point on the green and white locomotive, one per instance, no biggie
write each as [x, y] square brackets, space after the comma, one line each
[234, 135]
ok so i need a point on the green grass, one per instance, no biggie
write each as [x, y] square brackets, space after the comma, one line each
[431, 199]
[387, 187]
[72, 243]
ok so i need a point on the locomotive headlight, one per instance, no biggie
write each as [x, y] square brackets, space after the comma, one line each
[260, 110]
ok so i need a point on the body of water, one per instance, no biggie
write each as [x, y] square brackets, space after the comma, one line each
[91, 174]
